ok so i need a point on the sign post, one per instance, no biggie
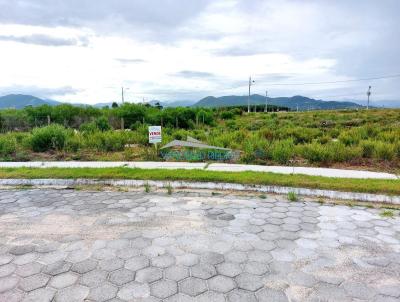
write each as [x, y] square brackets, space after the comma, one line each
[155, 136]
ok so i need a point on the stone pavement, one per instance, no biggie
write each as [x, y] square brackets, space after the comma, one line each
[65, 245]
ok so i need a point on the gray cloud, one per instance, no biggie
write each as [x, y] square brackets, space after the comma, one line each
[130, 61]
[361, 36]
[193, 74]
[45, 40]
[142, 18]
[42, 92]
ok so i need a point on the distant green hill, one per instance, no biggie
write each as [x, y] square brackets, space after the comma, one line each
[302, 102]
[19, 101]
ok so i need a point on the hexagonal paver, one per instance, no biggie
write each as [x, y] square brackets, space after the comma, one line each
[163, 289]
[221, 284]
[358, 290]
[84, 266]
[5, 259]
[256, 268]
[21, 249]
[192, 286]
[56, 268]
[302, 279]
[73, 293]
[249, 281]
[260, 256]
[149, 274]
[268, 294]
[236, 256]
[229, 269]
[8, 283]
[176, 273]
[121, 276]
[93, 278]
[42, 294]
[102, 293]
[128, 253]
[238, 295]
[212, 258]
[134, 290]
[111, 264]
[7, 269]
[203, 271]
[210, 296]
[187, 259]
[29, 269]
[33, 282]
[272, 250]
[137, 263]
[63, 280]
[179, 297]
[163, 261]
[25, 258]
[140, 243]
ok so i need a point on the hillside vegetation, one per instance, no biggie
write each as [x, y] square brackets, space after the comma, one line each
[345, 138]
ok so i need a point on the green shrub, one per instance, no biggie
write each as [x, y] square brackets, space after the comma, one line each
[74, 142]
[341, 153]
[88, 127]
[397, 149]
[169, 189]
[292, 196]
[227, 115]
[52, 137]
[351, 137]
[8, 145]
[282, 151]
[368, 148]
[384, 151]
[102, 124]
[107, 141]
[316, 153]
[324, 139]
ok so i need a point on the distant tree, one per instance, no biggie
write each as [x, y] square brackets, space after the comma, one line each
[158, 105]
[103, 124]
[114, 105]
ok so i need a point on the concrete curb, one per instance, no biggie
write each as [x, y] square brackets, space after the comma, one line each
[366, 197]
[312, 171]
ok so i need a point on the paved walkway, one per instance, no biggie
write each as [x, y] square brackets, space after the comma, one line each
[211, 167]
[65, 245]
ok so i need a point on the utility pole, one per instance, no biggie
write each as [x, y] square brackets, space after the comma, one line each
[248, 99]
[266, 101]
[122, 95]
[297, 107]
[368, 95]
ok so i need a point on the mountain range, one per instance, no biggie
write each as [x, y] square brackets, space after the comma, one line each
[294, 102]
[19, 101]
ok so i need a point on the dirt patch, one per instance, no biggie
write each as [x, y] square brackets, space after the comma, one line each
[57, 226]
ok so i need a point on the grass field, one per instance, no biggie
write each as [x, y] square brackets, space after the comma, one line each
[361, 139]
[391, 187]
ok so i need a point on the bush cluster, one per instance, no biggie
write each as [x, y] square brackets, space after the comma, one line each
[318, 138]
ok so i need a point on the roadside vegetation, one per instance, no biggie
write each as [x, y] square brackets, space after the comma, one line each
[390, 187]
[346, 138]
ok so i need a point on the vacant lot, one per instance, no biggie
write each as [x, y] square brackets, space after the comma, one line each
[346, 138]
[75, 245]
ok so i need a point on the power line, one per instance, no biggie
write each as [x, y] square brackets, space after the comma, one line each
[341, 95]
[335, 82]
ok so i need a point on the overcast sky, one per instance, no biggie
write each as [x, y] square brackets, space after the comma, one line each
[85, 50]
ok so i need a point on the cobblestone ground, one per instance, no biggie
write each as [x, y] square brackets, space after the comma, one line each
[117, 246]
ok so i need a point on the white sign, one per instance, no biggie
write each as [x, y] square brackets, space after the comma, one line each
[154, 134]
